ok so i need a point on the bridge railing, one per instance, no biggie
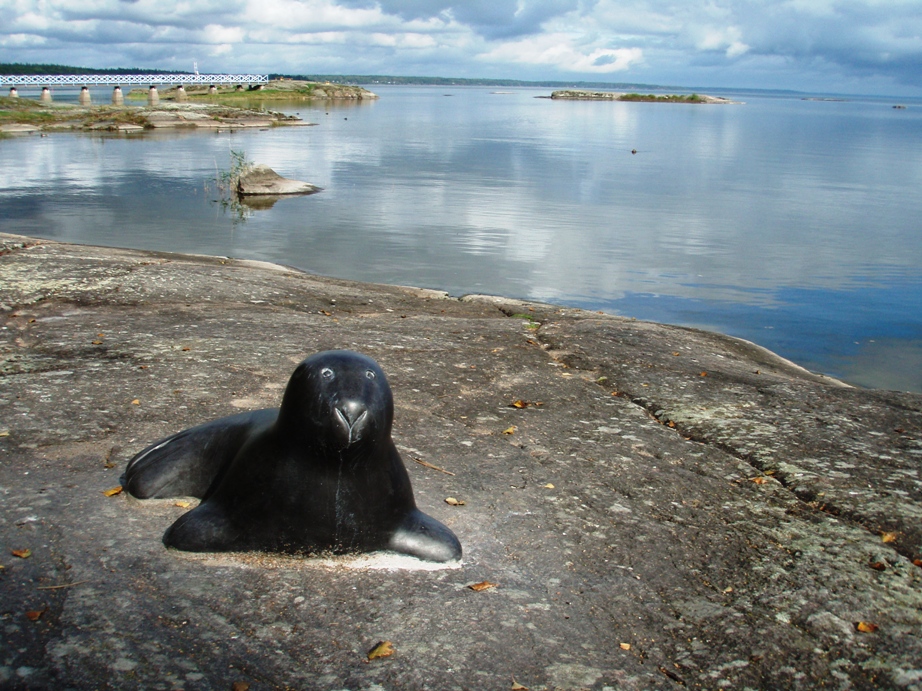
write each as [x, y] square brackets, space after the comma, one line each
[149, 79]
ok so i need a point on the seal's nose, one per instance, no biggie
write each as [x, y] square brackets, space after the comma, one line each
[352, 415]
[351, 412]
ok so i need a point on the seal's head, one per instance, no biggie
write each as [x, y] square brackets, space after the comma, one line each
[338, 400]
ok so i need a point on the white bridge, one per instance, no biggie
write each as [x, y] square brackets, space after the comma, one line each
[14, 80]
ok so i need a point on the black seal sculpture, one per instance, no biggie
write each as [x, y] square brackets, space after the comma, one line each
[320, 473]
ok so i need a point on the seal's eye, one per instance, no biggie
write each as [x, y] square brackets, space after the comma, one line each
[370, 374]
[326, 373]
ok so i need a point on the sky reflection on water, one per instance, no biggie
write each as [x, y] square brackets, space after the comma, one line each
[791, 223]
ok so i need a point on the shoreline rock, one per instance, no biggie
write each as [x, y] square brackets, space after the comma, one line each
[24, 116]
[656, 506]
[261, 180]
[275, 90]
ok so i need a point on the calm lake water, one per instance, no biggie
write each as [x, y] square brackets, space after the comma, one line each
[795, 224]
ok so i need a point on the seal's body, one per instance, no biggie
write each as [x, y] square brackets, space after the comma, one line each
[319, 473]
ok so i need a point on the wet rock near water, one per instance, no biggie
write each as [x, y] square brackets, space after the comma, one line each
[640, 506]
[262, 180]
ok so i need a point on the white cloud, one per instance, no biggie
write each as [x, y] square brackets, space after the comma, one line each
[726, 39]
[214, 33]
[20, 41]
[559, 51]
[312, 15]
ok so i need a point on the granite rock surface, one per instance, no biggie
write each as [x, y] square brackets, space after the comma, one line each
[656, 507]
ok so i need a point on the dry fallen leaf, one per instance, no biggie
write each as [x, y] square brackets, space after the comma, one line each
[21, 553]
[451, 501]
[759, 480]
[524, 404]
[549, 486]
[516, 686]
[182, 504]
[112, 492]
[866, 627]
[35, 614]
[240, 686]
[136, 401]
[5, 433]
[889, 537]
[510, 430]
[878, 565]
[381, 649]
[627, 646]
[483, 585]
[917, 562]
[704, 374]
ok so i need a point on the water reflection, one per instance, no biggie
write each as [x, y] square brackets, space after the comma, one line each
[787, 222]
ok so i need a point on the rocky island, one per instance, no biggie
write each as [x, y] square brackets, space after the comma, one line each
[22, 115]
[275, 90]
[217, 107]
[582, 95]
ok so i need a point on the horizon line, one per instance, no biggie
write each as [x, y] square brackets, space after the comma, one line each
[452, 81]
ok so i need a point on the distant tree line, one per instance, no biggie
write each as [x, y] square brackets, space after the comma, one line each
[31, 68]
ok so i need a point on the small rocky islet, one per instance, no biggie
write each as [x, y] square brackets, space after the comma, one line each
[584, 95]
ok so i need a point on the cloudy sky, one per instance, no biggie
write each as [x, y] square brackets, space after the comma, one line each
[845, 46]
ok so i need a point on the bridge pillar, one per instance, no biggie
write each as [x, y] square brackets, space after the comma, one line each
[84, 98]
[153, 97]
[181, 95]
[212, 90]
[13, 92]
[118, 98]
[46, 95]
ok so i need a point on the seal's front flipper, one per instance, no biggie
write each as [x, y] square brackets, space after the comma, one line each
[424, 537]
[203, 529]
[187, 463]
